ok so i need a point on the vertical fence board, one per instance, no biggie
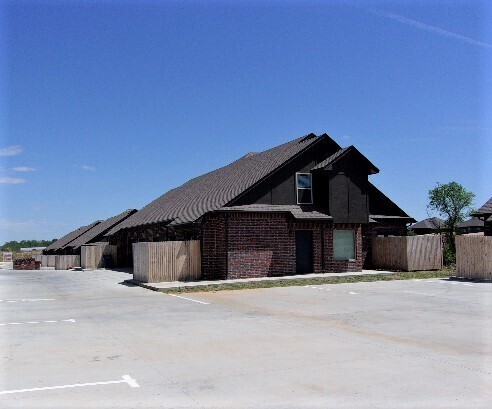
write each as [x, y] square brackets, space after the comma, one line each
[48, 261]
[64, 262]
[167, 261]
[92, 255]
[474, 257]
[424, 252]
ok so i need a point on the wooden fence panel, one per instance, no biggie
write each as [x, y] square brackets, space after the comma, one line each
[48, 261]
[389, 252]
[92, 255]
[407, 253]
[167, 261]
[474, 257]
[424, 252]
[64, 262]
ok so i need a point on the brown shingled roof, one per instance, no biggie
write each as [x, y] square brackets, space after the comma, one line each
[433, 223]
[98, 231]
[486, 209]
[60, 243]
[214, 190]
[472, 222]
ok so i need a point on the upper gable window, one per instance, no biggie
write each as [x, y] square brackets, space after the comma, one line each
[304, 187]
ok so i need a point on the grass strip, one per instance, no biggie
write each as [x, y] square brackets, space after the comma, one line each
[403, 275]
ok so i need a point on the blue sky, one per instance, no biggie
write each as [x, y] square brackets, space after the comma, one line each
[106, 105]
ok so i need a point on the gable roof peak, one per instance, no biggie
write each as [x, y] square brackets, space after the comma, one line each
[342, 152]
[485, 210]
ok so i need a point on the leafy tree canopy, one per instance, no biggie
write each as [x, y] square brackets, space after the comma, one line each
[15, 246]
[452, 201]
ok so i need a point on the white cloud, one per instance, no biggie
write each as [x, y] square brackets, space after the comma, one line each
[23, 169]
[4, 180]
[12, 150]
[88, 168]
[13, 225]
[432, 29]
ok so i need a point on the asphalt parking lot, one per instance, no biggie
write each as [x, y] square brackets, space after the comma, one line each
[86, 340]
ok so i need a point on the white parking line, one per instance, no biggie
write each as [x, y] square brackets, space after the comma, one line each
[189, 299]
[449, 282]
[125, 379]
[351, 292]
[416, 293]
[318, 288]
[29, 300]
[36, 322]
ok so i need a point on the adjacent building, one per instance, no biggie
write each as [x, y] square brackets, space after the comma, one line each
[485, 214]
[95, 232]
[432, 225]
[472, 225]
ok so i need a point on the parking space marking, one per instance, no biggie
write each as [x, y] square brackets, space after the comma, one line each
[29, 300]
[448, 282]
[318, 288]
[125, 379]
[329, 289]
[416, 293]
[189, 299]
[37, 322]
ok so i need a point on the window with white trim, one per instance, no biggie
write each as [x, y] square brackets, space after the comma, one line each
[304, 187]
[344, 244]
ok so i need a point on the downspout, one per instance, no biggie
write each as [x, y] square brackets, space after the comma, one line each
[227, 244]
[323, 248]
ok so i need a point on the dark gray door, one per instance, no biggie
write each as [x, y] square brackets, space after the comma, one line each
[304, 251]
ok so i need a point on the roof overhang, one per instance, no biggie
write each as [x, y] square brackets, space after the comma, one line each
[296, 211]
[380, 218]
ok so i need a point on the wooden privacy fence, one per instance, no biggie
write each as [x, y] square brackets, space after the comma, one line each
[48, 261]
[66, 262]
[94, 256]
[167, 261]
[474, 257]
[407, 253]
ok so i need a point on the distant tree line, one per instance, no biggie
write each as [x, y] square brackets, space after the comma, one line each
[15, 246]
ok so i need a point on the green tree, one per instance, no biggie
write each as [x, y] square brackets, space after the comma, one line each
[453, 203]
[15, 246]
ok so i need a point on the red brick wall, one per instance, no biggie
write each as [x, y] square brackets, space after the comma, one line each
[263, 245]
[259, 245]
